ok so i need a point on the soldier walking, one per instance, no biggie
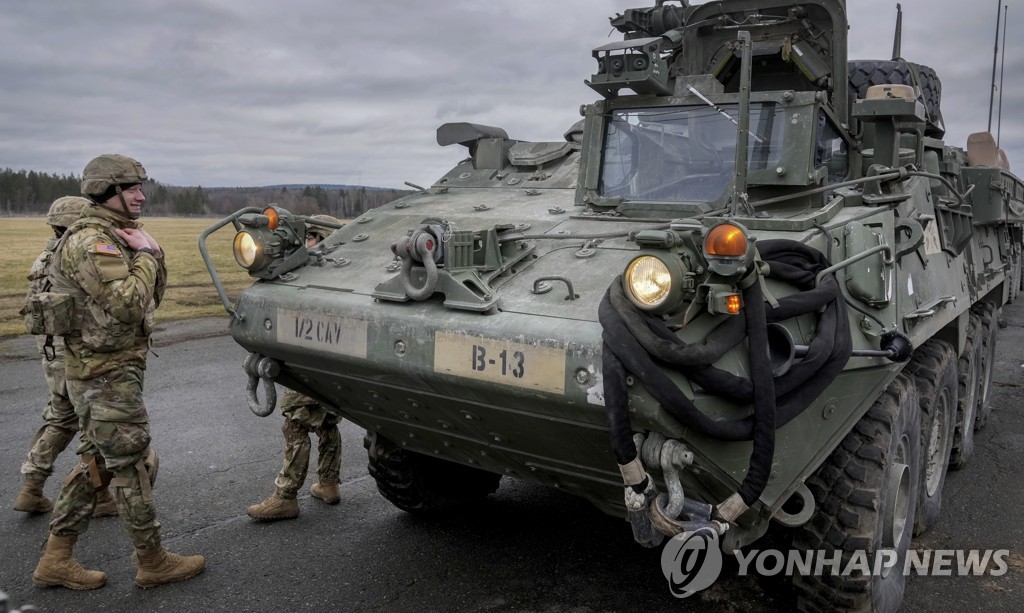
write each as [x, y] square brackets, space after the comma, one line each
[114, 271]
[60, 420]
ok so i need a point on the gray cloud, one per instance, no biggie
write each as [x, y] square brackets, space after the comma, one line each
[225, 92]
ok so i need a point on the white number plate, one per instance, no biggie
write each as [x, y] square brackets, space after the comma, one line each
[518, 364]
[342, 335]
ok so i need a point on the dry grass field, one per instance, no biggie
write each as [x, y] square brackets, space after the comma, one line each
[190, 292]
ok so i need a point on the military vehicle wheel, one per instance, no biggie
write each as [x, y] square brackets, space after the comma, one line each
[969, 376]
[421, 484]
[866, 494]
[1018, 270]
[1017, 277]
[934, 370]
[989, 325]
[865, 73]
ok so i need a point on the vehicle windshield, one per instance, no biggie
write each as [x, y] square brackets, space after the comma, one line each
[684, 154]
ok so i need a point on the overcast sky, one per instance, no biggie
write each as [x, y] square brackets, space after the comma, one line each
[258, 92]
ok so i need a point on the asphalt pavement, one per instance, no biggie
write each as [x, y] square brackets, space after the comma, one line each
[525, 548]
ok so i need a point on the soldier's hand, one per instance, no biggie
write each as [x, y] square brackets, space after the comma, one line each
[137, 238]
[155, 246]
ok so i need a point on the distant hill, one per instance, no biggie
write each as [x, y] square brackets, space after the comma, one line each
[342, 201]
[335, 186]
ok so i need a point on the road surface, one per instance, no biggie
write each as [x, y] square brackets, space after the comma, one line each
[526, 548]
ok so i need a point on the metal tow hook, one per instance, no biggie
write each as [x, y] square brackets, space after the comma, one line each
[259, 368]
[665, 510]
[638, 505]
[420, 247]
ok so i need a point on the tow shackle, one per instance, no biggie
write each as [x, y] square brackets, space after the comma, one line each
[420, 247]
[260, 368]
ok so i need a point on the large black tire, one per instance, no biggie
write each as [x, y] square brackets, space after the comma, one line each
[865, 73]
[934, 371]
[1019, 274]
[969, 377]
[1020, 267]
[989, 327]
[866, 495]
[1015, 278]
[421, 484]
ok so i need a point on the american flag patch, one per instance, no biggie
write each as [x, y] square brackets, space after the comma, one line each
[107, 249]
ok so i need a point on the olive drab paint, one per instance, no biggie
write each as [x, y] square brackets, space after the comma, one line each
[477, 343]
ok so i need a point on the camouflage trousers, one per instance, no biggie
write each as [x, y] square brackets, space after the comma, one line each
[115, 432]
[59, 424]
[303, 415]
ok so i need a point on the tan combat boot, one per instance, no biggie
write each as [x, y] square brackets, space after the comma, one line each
[158, 566]
[331, 494]
[30, 499]
[275, 508]
[105, 504]
[57, 567]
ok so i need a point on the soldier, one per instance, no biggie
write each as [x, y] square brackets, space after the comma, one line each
[303, 415]
[60, 421]
[115, 272]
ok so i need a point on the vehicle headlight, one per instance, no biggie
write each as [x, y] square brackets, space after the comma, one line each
[271, 243]
[247, 249]
[728, 249]
[653, 283]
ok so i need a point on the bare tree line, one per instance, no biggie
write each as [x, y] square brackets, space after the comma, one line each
[29, 192]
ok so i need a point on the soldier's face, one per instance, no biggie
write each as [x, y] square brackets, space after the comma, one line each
[133, 199]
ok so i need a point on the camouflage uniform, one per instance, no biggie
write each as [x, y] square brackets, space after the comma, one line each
[59, 419]
[61, 423]
[303, 415]
[116, 291]
[107, 278]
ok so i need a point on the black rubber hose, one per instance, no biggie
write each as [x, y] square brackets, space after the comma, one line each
[626, 349]
[664, 345]
[763, 452]
[616, 403]
[643, 345]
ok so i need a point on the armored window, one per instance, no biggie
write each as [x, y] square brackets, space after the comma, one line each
[830, 149]
[684, 154]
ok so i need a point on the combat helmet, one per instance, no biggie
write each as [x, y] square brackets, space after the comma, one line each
[65, 210]
[109, 171]
[321, 232]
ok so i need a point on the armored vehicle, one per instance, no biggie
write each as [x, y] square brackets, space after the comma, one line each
[752, 284]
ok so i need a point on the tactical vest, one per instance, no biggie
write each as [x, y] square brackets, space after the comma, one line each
[36, 309]
[91, 325]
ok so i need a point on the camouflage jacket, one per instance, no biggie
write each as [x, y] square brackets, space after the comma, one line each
[37, 283]
[303, 409]
[116, 293]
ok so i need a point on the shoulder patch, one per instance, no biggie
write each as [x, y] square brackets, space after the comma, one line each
[107, 249]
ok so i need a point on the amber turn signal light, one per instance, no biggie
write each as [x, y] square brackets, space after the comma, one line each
[726, 240]
[733, 304]
[274, 220]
